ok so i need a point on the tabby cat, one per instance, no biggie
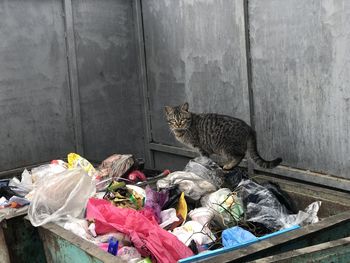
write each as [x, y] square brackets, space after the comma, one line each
[213, 133]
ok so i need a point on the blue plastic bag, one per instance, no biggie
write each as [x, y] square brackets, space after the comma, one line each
[235, 236]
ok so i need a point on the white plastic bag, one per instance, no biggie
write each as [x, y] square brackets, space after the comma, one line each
[168, 217]
[193, 230]
[225, 205]
[60, 196]
[202, 215]
[191, 184]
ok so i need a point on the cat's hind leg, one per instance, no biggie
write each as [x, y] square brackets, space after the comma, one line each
[234, 160]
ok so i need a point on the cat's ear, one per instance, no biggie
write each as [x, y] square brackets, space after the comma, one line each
[168, 109]
[184, 107]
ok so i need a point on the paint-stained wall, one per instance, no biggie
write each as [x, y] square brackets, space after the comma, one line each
[35, 108]
[108, 81]
[301, 64]
[195, 52]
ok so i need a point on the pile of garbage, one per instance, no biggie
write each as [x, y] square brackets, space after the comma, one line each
[137, 215]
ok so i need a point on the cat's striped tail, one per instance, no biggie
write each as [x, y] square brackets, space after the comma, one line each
[255, 156]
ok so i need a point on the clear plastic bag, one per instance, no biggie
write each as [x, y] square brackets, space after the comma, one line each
[261, 206]
[225, 205]
[42, 171]
[61, 196]
[191, 184]
[206, 169]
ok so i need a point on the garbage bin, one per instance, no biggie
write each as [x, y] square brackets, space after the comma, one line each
[62, 246]
[19, 240]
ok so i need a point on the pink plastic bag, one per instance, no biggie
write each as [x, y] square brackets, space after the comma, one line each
[147, 236]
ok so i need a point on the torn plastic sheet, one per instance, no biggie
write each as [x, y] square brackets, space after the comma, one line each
[261, 206]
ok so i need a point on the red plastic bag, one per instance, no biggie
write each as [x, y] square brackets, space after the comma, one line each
[147, 236]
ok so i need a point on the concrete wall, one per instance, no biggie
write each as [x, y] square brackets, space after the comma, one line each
[41, 44]
[291, 72]
[301, 64]
[195, 52]
[35, 105]
[86, 73]
[108, 80]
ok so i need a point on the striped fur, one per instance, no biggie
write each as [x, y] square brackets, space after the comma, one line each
[214, 133]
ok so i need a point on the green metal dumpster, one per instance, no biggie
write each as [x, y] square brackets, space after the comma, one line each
[19, 240]
[336, 251]
[62, 246]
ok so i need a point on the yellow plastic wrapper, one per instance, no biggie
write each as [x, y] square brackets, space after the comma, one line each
[75, 161]
[182, 207]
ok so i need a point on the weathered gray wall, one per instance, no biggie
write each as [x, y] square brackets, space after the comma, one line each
[301, 64]
[36, 111]
[300, 54]
[35, 108]
[107, 74]
[195, 52]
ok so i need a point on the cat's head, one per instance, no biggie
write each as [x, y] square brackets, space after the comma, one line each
[178, 117]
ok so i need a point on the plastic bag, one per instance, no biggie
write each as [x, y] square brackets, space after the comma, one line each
[19, 188]
[226, 205]
[26, 183]
[235, 236]
[77, 226]
[168, 217]
[261, 206]
[147, 237]
[60, 196]
[42, 171]
[111, 168]
[206, 169]
[155, 201]
[234, 177]
[193, 230]
[191, 184]
[281, 196]
[202, 215]
[76, 161]
[129, 254]
[116, 165]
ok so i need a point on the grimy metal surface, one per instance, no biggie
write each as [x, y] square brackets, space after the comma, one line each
[63, 246]
[337, 251]
[110, 98]
[35, 105]
[300, 67]
[285, 62]
[195, 52]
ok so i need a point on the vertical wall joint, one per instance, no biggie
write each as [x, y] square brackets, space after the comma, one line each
[73, 75]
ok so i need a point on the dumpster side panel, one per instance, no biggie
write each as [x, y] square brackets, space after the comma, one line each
[58, 250]
[107, 75]
[300, 63]
[62, 246]
[337, 251]
[4, 253]
[22, 241]
[329, 229]
[35, 103]
[195, 52]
